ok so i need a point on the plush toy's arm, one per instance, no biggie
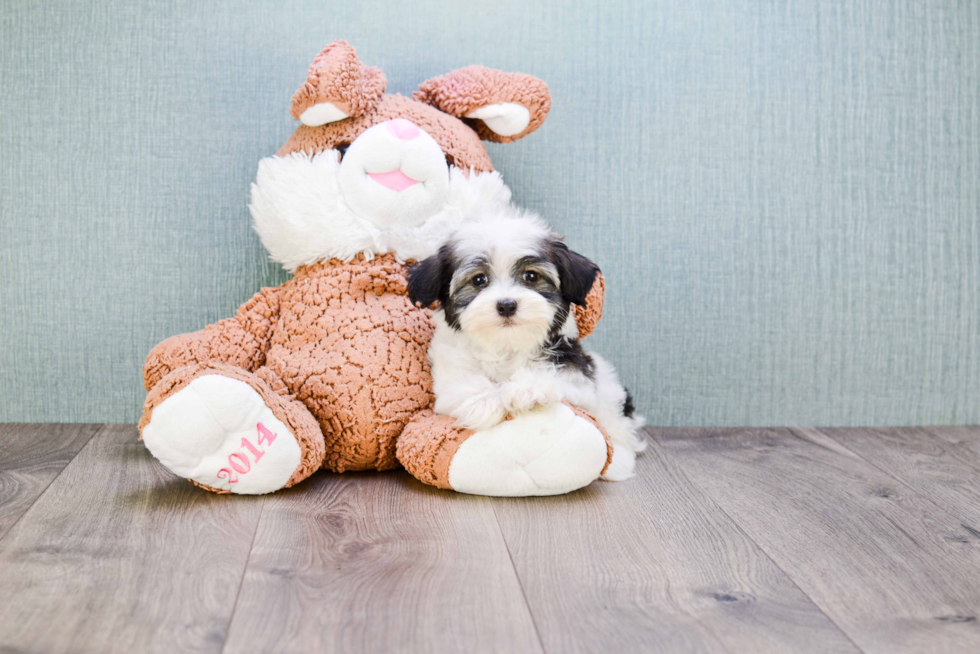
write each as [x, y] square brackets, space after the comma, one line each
[586, 317]
[241, 341]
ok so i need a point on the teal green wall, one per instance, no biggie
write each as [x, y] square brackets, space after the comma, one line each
[784, 196]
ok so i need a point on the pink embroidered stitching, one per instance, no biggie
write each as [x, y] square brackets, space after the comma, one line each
[239, 462]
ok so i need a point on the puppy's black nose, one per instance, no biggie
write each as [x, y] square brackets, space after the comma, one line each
[507, 308]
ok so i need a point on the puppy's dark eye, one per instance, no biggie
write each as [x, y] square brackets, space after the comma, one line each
[531, 277]
[480, 280]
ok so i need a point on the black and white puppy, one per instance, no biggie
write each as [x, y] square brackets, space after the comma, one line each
[506, 340]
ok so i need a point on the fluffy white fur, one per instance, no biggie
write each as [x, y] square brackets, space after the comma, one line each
[302, 217]
[493, 366]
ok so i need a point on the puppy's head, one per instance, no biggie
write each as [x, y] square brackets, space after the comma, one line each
[504, 280]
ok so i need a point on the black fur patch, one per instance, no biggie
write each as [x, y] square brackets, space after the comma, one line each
[561, 315]
[628, 408]
[427, 278]
[576, 272]
[430, 280]
[564, 352]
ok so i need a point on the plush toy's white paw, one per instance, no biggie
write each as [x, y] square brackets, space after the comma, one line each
[547, 451]
[219, 432]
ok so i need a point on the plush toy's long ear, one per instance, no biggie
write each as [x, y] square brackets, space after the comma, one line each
[501, 107]
[338, 86]
[587, 315]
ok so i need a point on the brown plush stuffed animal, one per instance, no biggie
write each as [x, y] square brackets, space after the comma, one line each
[330, 368]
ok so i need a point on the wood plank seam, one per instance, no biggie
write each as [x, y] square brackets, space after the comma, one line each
[709, 498]
[91, 437]
[520, 582]
[888, 563]
[373, 562]
[150, 564]
[923, 494]
[897, 480]
[241, 582]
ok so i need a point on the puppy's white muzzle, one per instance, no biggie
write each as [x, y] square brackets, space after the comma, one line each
[521, 326]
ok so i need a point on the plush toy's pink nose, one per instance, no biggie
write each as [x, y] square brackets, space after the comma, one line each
[403, 129]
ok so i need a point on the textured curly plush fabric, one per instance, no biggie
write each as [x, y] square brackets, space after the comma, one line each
[427, 446]
[587, 316]
[241, 341]
[292, 413]
[339, 353]
[352, 348]
[438, 107]
[460, 143]
[338, 77]
[341, 339]
[342, 344]
[429, 442]
[464, 90]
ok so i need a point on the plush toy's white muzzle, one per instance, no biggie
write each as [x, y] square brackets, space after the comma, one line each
[394, 171]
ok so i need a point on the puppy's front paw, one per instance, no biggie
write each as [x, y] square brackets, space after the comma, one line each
[523, 395]
[479, 414]
[482, 420]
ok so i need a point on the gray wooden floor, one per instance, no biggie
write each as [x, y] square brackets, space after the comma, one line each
[732, 540]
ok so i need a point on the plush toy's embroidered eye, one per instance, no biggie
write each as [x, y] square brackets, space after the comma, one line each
[531, 277]
[480, 280]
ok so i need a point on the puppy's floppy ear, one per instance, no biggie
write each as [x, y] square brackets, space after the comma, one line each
[428, 278]
[576, 273]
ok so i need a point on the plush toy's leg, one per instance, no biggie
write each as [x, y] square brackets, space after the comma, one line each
[548, 451]
[230, 430]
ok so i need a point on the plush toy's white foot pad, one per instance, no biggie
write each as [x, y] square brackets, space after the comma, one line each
[547, 451]
[219, 432]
